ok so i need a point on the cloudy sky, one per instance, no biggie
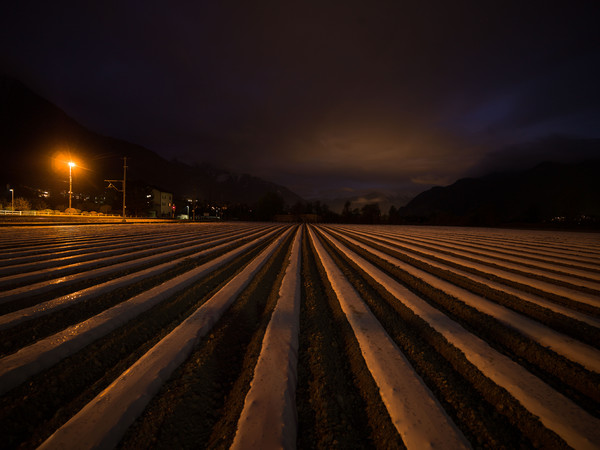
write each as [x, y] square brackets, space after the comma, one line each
[328, 98]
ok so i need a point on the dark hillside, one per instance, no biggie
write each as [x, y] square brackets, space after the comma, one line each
[548, 192]
[36, 139]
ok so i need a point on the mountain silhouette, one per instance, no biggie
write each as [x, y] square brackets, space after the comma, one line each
[548, 192]
[37, 140]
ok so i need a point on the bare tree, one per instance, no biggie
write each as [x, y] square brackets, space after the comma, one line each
[22, 204]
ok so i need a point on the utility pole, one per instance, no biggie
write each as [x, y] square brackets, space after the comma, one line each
[124, 182]
[111, 185]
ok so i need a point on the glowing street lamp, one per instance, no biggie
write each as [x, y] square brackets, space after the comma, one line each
[12, 192]
[71, 165]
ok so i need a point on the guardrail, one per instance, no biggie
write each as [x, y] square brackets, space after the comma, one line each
[8, 212]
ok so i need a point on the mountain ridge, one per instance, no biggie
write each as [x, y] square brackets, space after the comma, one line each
[38, 139]
[549, 191]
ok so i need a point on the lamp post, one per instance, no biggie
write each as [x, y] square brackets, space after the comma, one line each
[71, 165]
[12, 192]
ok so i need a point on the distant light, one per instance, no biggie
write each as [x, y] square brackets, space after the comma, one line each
[71, 164]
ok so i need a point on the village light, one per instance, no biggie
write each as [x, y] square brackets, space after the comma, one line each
[71, 165]
[12, 192]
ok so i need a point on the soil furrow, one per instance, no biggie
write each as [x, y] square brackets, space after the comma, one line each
[51, 397]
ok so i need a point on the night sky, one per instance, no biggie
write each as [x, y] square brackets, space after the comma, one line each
[329, 98]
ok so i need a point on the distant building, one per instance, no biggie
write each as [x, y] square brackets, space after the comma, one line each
[160, 203]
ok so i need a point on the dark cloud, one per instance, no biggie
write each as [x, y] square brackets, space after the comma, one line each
[325, 97]
[562, 149]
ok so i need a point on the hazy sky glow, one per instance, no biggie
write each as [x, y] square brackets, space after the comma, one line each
[327, 98]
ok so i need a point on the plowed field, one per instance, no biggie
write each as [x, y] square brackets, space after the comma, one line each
[251, 335]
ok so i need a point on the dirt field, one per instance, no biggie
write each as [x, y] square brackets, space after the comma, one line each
[400, 336]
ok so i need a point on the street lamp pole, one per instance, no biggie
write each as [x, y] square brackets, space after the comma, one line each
[124, 183]
[12, 192]
[71, 165]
